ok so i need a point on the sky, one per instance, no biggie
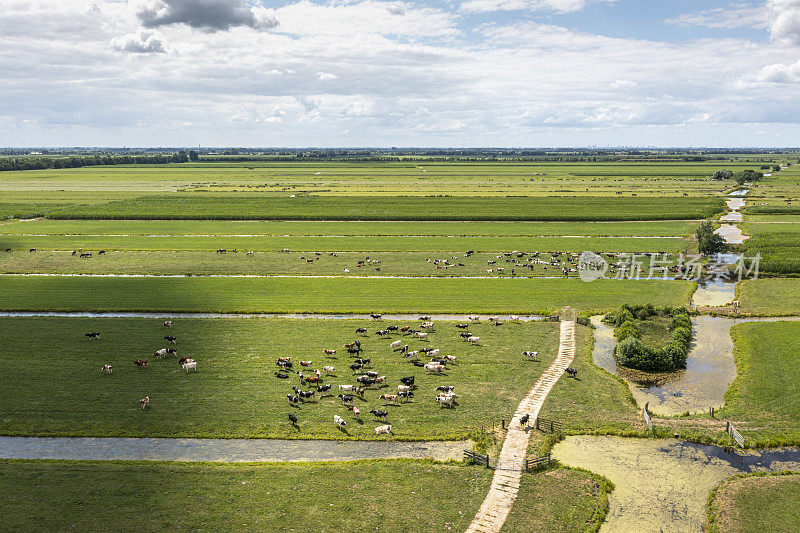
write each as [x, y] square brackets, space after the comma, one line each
[443, 73]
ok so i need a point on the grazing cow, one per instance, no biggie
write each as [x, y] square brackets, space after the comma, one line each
[359, 392]
[170, 338]
[405, 395]
[323, 388]
[313, 379]
[101, 252]
[379, 414]
[354, 351]
[350, 344]
[356, 411]
[329, 370]
[446, 399]
[451, 358]
[293, 418]
[427, 325]
[475, 318]
[306, 363]
[172, 351]
[421, 336]
[523, 421]
[86, 254]
[361, 331]
[184, 359]
[93, 335]
[417, 362]
[404, 349]
[493, 318]
[329, 352]
[573, 373]
[434, 367]
[375, 316]
[388, 397]
[107, 369]
[514, 318]
[434, 352]
[380, 379]
[250, 253]
[462, 326]
[190, 365]
[372, 374]
[355, 367]
[396, 345]
[168, 323]
[145, 402]
[423, 318]
[381, 333]
[306, 395]
[403, 388]
[380, 430]
[405, 329]
[364, 362]
[498, 322]
[339, 421]
[465, 335]
[283, 360]
[409, 380]
[281, 376]
[346, 398]
[346, 388]
[160, 353]
[445, 388]
[293, 400]
[140, 362]
[32, 250]
[392, 328]
[366, 380]
[532, 356]
[474, 340]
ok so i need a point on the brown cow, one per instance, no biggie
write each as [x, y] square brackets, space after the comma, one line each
[140, 362]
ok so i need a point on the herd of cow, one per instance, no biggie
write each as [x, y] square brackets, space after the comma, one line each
[186, 362]
[364, 379]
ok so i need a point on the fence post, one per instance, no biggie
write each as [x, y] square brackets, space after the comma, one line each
[551, 426]
[537, 423]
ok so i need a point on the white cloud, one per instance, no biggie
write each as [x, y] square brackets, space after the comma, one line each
[785, 20]
[558, 6]
[325, 76]
[733, 16]
[142, 42]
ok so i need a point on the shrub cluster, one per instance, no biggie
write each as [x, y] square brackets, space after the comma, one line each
[631, 352]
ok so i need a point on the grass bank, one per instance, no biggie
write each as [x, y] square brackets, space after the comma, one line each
[750, 503]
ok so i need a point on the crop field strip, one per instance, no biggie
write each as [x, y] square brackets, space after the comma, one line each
[777, 243]
[328, 295]
[234, 392]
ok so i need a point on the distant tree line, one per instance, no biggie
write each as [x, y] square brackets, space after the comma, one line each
[44, 163]
[739, 177]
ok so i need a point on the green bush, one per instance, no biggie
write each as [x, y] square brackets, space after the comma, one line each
[631, 352]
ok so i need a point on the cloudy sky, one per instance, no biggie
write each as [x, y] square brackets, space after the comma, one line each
[399, 73]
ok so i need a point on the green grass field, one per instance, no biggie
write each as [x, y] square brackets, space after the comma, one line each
[661, 228]
[397, 208]
[765, 391]
[399, 264]
[234, 393]
[751, 503]
[328, 295]
[769, 297]
[778, 244]
[140, 496]
[347, 243]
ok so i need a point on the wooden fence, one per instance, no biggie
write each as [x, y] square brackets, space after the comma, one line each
[477, 458]
[538, 462]
[547, 426]
[582, 321]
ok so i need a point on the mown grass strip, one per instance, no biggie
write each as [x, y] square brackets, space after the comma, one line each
[326, 295]
[769, 296]
[139, 496]
[397, 208]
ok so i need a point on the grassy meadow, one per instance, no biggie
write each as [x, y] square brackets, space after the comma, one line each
[751, 503]
[235, 393]
[140, 496]
[769, 296]
[332, 295]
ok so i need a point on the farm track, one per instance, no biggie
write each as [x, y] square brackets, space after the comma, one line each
[311, 316]
[505, 485]
[222, 450]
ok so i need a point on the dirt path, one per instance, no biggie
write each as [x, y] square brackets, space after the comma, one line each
[223, 450]
[503, 492]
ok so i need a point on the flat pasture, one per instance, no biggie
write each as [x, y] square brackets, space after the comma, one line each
[329, 295]
[432, 208]
[234, 392]
[669, 228]
[141, 496]
[744, 504]
[769, 296]
[339, 264]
